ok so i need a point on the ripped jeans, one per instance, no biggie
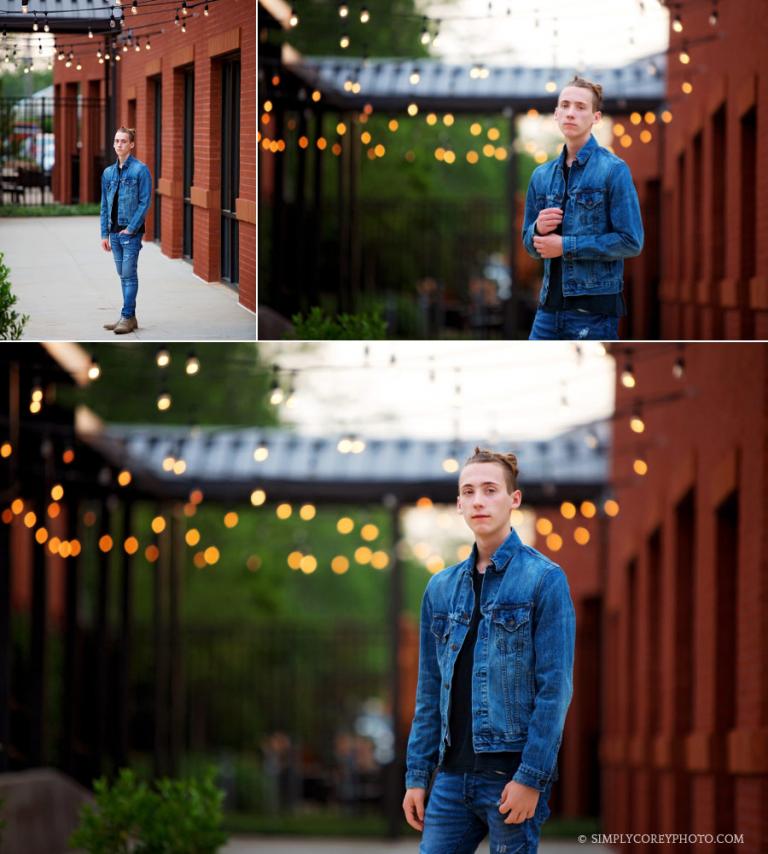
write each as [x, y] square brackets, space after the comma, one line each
[463, 808]
[573, 326]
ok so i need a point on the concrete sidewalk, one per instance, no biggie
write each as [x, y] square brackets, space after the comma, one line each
[69, 287]
[283, 845]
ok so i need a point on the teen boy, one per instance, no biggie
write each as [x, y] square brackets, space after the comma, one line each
[495, 680]
[582, 216]
[126, 190]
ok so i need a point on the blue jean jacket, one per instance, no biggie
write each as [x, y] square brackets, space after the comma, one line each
[135, 195]
[522, 677]
[602, 223]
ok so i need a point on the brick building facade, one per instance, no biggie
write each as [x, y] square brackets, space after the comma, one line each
[684, 735]
[703, 182]
[192, 99]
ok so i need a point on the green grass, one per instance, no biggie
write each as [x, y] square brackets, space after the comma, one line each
[89, 209]
[334, 823]
[326, 823]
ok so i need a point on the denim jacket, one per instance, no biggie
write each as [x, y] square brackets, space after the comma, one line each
[602, 224]
[135, 194]
[522, 677]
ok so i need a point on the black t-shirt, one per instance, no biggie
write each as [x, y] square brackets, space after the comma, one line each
[115, 226]
[610, 304]
[460, 754]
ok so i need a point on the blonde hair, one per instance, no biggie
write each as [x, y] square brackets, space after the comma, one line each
[595, 88]
[507, 461]
[130, 131]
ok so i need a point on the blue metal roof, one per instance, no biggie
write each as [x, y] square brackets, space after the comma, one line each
[221, 463]
[385, 83]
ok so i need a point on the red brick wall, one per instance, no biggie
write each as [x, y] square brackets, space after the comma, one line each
[685, 744]
[230, 28]
[705, 291]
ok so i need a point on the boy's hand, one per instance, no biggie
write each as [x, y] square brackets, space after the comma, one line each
[519, 801]
[548, 220]
[105, 244]
[550, 246]
[413, 807]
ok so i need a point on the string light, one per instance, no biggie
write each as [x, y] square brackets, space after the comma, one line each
[164, 401]
[192, 366]
[678, 369]
[134, 7]
[365, 15]
[163, 357]
[343, 10]
[294, 19]
[628, 376]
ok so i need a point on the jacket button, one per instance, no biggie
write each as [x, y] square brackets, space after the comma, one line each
[454, 646]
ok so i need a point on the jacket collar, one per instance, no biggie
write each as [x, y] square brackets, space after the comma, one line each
[127, 161]
[501, 557]
[584, 154]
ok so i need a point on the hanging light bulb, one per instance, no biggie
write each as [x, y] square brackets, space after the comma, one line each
[424, 38]
[628, 376]
[636, 423]
[163, 357]
[205, 10]
[294, 19]
[183, 26]
[184, 10]
[147, 46]
[343, 10]
[35, 28]
[193, 364]
[176, 19]
[344, 41]
[365, 15]
[25, 7]
[261, 452]
[90, 33]
[164, 400]
[684, 56]
[677, 23]
[135, 7]
[678, 369]
[137, 46]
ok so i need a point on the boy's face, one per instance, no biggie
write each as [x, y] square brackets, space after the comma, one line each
[483, 499]
[123, 144]
[575, 114]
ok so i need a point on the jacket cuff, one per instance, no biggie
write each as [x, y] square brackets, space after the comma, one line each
[415, 778]
[532, 777]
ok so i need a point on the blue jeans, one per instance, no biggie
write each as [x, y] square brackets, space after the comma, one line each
[463, 808]
[573, 326]
[125, 251]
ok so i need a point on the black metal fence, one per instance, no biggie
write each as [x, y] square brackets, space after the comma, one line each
[28, 150]
[435, 266]
[290, 712]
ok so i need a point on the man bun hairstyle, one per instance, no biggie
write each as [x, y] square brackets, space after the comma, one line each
[130, 131]
[595, 88]
[507, 461]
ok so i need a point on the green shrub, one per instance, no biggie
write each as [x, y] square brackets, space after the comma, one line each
[173, 817]
[319, 326]
[11, 322]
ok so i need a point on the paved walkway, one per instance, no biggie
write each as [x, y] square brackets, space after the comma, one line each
[283, 845]
[69, 287]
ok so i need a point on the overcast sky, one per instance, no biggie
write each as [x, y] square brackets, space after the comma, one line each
[468, 390]
[591, 33]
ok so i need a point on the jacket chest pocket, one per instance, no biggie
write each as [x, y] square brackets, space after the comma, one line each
[589, 209]
[512, 627]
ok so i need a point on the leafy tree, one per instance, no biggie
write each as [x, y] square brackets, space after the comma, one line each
[229, 388]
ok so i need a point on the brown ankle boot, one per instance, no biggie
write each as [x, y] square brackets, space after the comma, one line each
[111, 326]
[126, 324]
